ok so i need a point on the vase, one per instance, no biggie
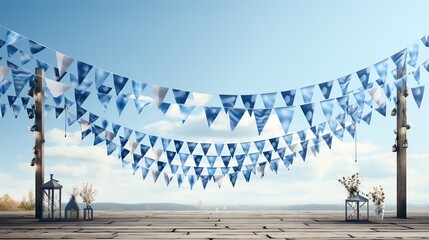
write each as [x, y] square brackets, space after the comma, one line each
[379, 212]
[88, 213]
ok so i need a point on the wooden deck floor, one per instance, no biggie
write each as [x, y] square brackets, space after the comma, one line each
[215, 225]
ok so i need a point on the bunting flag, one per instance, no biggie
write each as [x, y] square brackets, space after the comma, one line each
[418, 94]
[20, 79]
[119, 83]
[185, 111]
[3, 72]
[11, 50]
[399, 59]
[307, 93]
[308, 110]
[327, 108]
[138, 88]
[381, 68]
[269, 99]
[104, 100]
[261, 117]
[363, 76]
[12, 37]
[249, 102]
[180, 96]
[344, 83]
[35, 47]
[235, 115]
[140, 105]
[413, 51]
[326, 88]
[100, 77]
[289, 97]
[63, 63]
[228, 101]
[82, 70]
[25, 57]
[211, 114]
[285, 115]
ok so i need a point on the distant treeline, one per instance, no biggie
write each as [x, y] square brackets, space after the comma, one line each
[7, 203]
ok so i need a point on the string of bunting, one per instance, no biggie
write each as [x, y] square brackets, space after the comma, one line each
[83, 80]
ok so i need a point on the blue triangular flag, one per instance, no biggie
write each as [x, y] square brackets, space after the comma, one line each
[138, 88]
[344, 83]
[178, 145]
[204, 181]
[192, 179]
[153, 140]
[164, 107]
[121, 102]
[268, 155]
[71, 118]
[191, 146]
[231, 148]
[205, 147]
[418, 94]
[11, 100]
[81, 96]
[197, 160]
[281, 152]
[308, 110]
[302, 134]
[180, 179]
[274, 165]
[5, 84]
[226, 160]
[20, 79]
[12, 37]
[111, 147]
[245, 146]
[155, 175]
[254, 157]
[180, 96]
[363, 76]
[145, 172]
[327, 107]
[211, 170]
[174, 169]
[25, 57]
[100, 77]
[119, 83]
[269, 99]
[11, 50]
[360, 98]
[224, 170]
[235, 115]
[260, 145]
[165, 143]
[58, 111]
[79, 112]
[381, 68]
[16, 109]
[285, 115]
[261, 117]
[274, 142]
[289, 97]
[413, 51]
[219, 147]
[139, 136]
[82, 70]
[351, 129]
[249, 102]
[185, 111]
[35, 47]
[416, 75]
[233, 178]
[326, 88]
[228, 101]
[211, 114]
[183, 157]
[148, 162]
[343, 102]
[328, 140]
[104, 100]
[399, 59]
[307, 93]
[3, 109]
[211, 160]
[161, 165]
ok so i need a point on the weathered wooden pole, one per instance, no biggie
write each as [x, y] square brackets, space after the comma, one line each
[401, 148]
[39, 133]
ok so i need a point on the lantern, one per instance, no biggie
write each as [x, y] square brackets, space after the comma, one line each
[355, 208]
[72, 210]
[51, 200]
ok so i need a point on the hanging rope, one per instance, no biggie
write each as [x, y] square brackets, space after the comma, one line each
[65, 120]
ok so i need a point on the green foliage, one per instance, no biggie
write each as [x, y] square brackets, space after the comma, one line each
[7, 203]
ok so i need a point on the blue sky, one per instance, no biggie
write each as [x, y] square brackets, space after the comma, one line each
[232, 47]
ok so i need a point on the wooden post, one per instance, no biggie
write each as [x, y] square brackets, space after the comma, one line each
[401, 153]
[39, 116]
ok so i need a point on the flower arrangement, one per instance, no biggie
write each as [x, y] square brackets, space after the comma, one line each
[351, 184]
[88, 194]
[74, 192]
[377, 196]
